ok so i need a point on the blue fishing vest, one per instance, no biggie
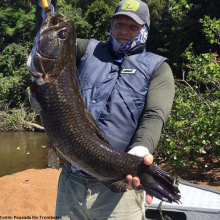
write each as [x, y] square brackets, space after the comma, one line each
[115, 95]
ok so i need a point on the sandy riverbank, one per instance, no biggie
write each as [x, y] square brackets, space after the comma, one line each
[29, 193]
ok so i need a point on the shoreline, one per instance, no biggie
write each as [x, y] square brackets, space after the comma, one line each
[31, 194]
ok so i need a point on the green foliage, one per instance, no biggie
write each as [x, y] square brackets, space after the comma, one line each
[16, 26]
[211, 28]
[204, 72]
[24, 4]
[17, 35]
[193, 127]
[14, 77]
[175, 24]
[84, 4]
[98, 14]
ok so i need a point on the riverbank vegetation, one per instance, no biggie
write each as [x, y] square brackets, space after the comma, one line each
[187, 32]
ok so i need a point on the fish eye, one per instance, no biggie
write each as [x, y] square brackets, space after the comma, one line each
[63, 34]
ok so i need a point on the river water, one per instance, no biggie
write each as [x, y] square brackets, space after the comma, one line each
[22, 150]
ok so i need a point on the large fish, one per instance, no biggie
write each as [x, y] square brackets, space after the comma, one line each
[71, 130]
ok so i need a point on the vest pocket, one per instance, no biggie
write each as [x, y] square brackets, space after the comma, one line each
[129, 101]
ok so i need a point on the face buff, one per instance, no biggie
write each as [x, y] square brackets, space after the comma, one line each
[122, 49]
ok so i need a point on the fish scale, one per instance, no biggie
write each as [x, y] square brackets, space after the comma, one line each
[70, 128]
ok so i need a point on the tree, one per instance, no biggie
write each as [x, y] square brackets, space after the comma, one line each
[98, 15]
[14, 77]
[175, 24]
[193, 127]
[16, 26]
[211, 29]
[17, 35]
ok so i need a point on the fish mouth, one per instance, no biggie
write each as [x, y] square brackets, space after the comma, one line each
[44, 56]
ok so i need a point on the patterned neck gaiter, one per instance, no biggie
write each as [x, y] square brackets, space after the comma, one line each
[122, 49]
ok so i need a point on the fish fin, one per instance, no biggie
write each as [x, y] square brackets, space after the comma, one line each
[52, 157]
[64, 158]
[33, 89]
[117, 186]
[33, 99]
[95, 126]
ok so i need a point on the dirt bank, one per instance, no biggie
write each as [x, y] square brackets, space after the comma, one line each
[33, 192]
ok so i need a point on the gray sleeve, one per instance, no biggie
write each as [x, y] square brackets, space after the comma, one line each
[157, 108]
[81, 45]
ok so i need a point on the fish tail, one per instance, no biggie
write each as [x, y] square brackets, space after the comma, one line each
[163, 177]
[160, 184]
[52, 157]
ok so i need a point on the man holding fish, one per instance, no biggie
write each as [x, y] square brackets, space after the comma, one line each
[130, 93]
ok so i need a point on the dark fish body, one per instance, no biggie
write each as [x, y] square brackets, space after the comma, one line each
[70, 128]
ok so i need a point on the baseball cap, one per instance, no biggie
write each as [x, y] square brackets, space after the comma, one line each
[135, 9]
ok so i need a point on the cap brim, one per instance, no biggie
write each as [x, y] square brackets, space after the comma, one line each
[131, 15]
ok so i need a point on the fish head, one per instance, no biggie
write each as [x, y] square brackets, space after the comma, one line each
[54, 48]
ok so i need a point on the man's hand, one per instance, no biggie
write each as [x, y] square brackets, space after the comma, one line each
[134, 181]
